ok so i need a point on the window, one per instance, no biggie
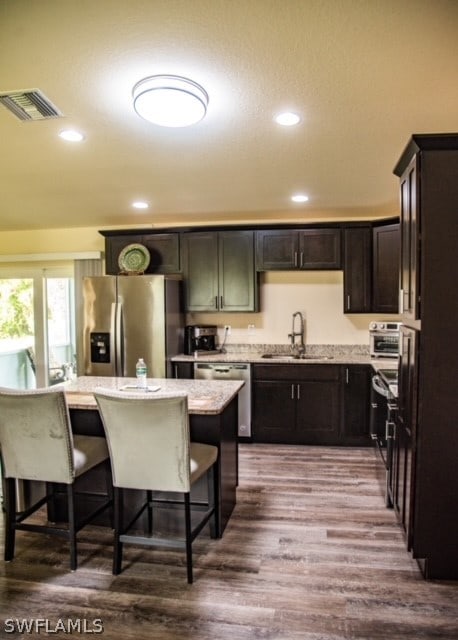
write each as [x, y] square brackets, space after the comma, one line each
[37, 326]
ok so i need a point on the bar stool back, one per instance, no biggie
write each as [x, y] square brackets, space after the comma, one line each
[36, 443]
[149, 442]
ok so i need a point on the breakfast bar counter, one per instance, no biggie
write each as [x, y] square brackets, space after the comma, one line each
[204, 397]
[213, 417]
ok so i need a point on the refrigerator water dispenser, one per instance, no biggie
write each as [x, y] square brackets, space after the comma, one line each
[100, 347]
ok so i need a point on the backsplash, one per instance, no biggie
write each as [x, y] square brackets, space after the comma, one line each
[312, 349]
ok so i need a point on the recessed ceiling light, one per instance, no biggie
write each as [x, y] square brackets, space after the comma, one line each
[140, 205]
[287, 119]
[299, 197]
[170, 101]
[71, 135]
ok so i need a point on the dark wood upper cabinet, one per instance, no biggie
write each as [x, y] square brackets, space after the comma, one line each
[320, 249]
[357, 270]
[164, 250]
[219, 271]
[200, 268]
[410, 244]
[220, 264]
[276, 250]
[291, 249]
[238, 281]
[385, 268]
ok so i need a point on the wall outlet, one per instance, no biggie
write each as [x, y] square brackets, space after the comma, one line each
[251, 328]
[227, 329]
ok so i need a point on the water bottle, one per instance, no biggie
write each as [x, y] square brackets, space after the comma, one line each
[140, 372]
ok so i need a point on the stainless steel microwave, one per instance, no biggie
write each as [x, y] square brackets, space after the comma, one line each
[385, 339]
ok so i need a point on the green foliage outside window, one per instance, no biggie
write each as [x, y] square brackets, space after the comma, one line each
[16, 305]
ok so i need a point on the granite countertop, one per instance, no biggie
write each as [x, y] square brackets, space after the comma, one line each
[315, 354]
[204, 396]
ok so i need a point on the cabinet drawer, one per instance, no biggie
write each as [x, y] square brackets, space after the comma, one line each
[296, 372]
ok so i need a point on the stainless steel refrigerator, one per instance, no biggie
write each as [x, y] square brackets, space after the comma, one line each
[131, 317]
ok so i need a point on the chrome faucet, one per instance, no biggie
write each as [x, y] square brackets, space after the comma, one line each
[299, 349]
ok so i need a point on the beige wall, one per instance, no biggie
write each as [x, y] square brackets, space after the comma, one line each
[50, 241]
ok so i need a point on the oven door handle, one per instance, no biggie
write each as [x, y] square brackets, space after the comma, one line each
[378, 386]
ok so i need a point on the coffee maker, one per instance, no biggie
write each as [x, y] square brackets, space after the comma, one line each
[199, 338]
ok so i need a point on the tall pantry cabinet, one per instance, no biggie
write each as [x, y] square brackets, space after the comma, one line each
[428, 387]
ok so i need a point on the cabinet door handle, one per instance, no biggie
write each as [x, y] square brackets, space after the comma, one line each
[401, 300]
[216, 302]
[221, 306]
[347, 376]
[348, 302]
[292, 392]
[298, 392]
[301, 263]
[390, 430]
[295, 258]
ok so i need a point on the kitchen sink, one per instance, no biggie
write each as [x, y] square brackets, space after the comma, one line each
[305, 356]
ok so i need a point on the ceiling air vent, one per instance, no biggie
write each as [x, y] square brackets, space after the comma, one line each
[29, 105]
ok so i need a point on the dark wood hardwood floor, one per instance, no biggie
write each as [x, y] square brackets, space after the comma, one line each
[310, 553]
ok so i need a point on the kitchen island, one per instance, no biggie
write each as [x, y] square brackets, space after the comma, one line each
[213, 411]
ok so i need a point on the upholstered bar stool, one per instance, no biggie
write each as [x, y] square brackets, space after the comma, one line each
[149, 443]
[36, 443]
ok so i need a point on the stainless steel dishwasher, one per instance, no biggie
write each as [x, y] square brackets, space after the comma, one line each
[231, 371]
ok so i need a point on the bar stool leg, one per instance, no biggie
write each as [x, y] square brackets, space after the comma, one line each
[149, 498]
[118, 524]
[187, 519]
[10, 517]
[71, 526]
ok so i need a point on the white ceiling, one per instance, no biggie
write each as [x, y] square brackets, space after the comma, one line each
[363, 74]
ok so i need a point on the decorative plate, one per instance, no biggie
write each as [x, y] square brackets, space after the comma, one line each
[134, 258]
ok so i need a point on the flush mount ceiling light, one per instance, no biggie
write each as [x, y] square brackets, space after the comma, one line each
[170, 101]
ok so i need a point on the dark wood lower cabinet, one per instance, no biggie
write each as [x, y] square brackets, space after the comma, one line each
[183, 370]
[356, 404]
[274, 412]
[402, 479]
[296, 404]
[311, 404]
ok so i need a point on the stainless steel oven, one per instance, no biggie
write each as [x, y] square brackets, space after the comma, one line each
[385, 339]
[382, 422]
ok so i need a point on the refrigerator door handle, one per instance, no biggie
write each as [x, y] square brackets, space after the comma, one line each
[116, 319]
